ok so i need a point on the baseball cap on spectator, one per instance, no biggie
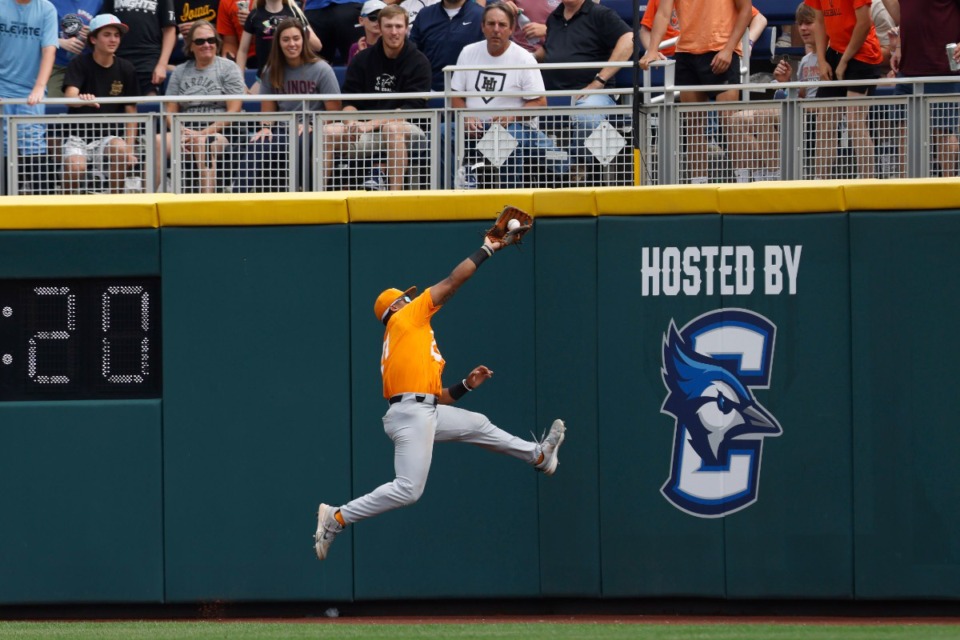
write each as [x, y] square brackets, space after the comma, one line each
[107, 20]
[371, 6]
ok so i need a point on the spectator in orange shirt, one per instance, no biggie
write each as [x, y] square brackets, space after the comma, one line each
[758, 23]
[646, 27]
[708, 53]
[847, 49]
[231, 17]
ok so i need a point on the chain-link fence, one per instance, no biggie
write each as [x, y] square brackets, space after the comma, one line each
[854, 138]
[79, 155]
[376, 150]
[886, 137]
[551, 148]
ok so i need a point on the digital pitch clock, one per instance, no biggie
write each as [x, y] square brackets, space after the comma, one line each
[80, 338]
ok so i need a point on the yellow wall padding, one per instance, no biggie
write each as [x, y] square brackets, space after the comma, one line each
[338, 207]
[903, 195]
[409, 206]
[565, 202]
[253, 209]
[657, 200]
[88, 212]
[815, 196]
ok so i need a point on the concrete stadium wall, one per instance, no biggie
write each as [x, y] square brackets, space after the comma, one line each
[271, 398]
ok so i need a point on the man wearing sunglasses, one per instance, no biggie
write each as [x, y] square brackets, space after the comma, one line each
[420, 410]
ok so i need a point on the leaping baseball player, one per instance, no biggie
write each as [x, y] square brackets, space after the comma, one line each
[420, 409]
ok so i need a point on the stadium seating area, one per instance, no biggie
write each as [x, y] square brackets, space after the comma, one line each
[612, 144]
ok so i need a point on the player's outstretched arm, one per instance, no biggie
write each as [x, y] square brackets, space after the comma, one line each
[444, 290]
[473, 380]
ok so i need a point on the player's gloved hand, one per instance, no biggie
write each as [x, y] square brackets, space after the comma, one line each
[510, 227]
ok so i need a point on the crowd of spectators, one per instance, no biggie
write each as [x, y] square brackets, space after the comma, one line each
[207, 48]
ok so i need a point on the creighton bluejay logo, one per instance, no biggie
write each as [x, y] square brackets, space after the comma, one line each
[709, 370]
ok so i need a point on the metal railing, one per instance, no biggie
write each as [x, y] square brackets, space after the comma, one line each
[442, 147]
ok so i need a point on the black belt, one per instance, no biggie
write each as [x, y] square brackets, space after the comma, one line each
[419, 397]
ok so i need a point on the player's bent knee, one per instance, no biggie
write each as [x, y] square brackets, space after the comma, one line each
[409, 492]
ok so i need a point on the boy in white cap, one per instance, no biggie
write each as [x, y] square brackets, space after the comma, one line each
[108, 147]
[371, 28]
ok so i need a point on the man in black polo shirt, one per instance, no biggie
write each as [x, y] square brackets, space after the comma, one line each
[583, 31]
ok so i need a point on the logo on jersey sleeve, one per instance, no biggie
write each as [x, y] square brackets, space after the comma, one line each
[710, 368]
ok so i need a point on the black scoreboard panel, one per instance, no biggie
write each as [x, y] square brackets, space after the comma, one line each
[80, 338]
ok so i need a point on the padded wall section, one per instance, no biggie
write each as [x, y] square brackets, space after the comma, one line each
[80, 482]
[905, 350]
[566, 340]
[649, 548]
[79, 254]
[256, 410]
[796, 540]
[80, 490]
[474, 532]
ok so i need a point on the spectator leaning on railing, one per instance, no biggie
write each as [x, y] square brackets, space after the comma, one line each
[292, 68]
[203, 74]
[108, 147]
[708, 53]
[760, 127]
[736, 139]
[758, 22]
[646, 28]
[582, 31]
[495, 52]
[847, 49]
[926, 28]
[393, 65]
[28, 45]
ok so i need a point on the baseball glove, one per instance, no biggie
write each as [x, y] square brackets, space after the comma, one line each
[506, 233]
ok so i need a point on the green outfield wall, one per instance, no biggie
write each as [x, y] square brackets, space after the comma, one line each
[758, 383]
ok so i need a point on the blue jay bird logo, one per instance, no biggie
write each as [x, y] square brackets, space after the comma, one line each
[709, 369]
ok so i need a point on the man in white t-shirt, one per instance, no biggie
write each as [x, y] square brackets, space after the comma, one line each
[508, 141]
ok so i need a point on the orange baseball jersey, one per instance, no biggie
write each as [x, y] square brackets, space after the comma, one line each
[410, 361]
[839, 19]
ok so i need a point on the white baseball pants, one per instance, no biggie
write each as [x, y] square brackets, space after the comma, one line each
[414, 427]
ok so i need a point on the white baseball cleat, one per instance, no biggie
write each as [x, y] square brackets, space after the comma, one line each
[327, 530]
[550, 445]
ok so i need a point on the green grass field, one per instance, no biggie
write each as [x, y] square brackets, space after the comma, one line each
[536, 631]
